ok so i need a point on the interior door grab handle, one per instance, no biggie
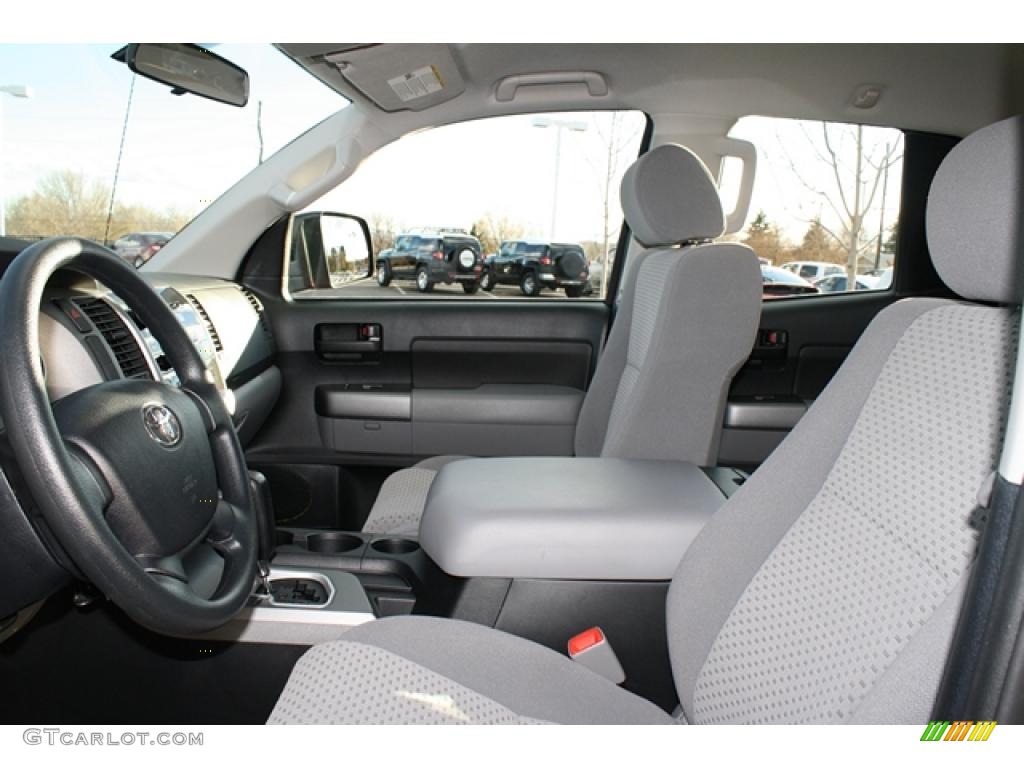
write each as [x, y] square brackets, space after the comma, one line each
[348, 342]
[594, 81]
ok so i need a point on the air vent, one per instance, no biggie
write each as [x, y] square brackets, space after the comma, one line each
[214, 336]
[122, 343]
[258, 306]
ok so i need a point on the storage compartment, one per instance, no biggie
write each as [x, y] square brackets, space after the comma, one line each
[333, 542]
[365, 418]
[566, 518]
[367, 436]
[394, 572]
[378, 402]
[395, 546]
[496, 419]
[753, 427]
[283, 538]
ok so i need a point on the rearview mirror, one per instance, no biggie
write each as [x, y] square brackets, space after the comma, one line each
[328, 250]
[188, 68]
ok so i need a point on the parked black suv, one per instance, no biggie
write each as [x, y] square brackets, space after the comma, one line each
[534, 265]
[432, 256]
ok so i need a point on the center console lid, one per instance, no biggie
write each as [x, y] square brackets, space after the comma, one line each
[566, 518]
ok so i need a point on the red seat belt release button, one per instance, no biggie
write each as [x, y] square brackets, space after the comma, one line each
[592, 649]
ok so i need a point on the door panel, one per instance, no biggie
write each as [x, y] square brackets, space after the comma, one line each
[812, 337]
[466, 363]
[473, 378]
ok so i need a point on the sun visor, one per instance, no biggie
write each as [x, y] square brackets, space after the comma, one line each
[394, 78]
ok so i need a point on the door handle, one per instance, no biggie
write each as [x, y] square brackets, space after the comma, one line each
[348, 342]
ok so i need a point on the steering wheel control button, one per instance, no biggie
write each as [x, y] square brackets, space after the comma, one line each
[591, 649]
[161, 424]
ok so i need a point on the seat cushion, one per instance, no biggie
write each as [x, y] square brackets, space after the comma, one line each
[403, 495]
[420, 670]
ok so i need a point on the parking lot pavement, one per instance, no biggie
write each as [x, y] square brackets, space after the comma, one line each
[369, 289]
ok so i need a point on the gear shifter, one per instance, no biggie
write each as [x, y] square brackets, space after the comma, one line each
[263, 506]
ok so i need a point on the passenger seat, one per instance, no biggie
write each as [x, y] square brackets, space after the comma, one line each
[687, 321]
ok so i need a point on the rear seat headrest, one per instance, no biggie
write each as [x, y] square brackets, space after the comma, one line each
[669, 197]
[974, 215]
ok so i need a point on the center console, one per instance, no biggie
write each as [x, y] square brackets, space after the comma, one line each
[542, 548]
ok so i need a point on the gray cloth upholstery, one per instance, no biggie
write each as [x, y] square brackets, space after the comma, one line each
[592, 423]
[693, 324]
[686, 324]
[389, 690]
[399, 504]
[424, 670]
[974, 215]
[849, 546]
[827, 589]
[669, 198]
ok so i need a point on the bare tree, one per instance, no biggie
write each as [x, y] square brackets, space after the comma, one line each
[383, 230]
[492, 230]
[764, 238]
[67, 203]
[818, 245]
[63, 203]
[857, 173]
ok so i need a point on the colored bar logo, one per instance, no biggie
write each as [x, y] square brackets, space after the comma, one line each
[960, 730]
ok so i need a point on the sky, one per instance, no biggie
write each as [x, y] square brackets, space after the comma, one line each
[182, 151]
[179, 151]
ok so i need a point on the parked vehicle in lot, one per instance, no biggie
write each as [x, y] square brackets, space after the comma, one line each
[814, 270]
[594, 280]
[535, 264]
[139, 247]
[838, 283]
[430, 257]
[781, 282]
[884, 280]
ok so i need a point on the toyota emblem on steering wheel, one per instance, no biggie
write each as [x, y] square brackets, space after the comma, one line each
[161, 424]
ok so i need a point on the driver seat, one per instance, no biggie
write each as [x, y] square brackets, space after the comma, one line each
[828, 588]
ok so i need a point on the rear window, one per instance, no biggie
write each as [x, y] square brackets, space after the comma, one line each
[532, 249]
[826, 199]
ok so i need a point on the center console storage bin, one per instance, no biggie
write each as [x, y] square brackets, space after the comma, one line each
[566, 518]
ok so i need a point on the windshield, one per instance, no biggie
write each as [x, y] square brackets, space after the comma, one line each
[98, 152]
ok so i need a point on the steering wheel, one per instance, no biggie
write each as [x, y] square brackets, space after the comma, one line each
[143, 485]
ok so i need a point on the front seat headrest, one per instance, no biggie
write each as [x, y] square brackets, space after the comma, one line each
[973, 218]
[669, 197]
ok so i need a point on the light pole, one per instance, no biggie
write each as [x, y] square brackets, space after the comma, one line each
[559, 125]
[20, 92]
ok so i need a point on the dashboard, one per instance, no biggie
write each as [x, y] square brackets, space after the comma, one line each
[88, 334]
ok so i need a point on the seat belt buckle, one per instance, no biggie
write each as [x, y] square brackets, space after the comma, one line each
[592, 649]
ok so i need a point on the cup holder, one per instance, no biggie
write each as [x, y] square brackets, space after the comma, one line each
[333, 543]
[395, 546]
[284, 538]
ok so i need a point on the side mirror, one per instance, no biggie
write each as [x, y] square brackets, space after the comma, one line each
[327, 250]
[187, 68]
